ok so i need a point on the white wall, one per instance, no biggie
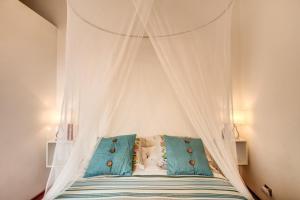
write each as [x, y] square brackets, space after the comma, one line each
[55, 11]
[150, 106]
[27, 98]
[267, 42]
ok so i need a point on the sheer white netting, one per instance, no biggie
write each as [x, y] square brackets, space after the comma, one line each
[110, 90]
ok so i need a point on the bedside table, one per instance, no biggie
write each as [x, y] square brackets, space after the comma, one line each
[242, 151]
[50, 148]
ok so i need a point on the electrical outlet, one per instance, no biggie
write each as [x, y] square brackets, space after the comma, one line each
[266, 190]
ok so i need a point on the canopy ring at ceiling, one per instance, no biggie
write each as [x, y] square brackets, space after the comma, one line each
[155, 36]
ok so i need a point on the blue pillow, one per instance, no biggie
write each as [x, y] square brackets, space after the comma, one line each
[113, 156]
[186, 156]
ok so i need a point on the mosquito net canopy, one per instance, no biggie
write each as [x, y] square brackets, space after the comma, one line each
[147, 67]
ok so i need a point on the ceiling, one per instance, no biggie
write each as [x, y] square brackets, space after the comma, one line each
[109, 14]
[53, 10]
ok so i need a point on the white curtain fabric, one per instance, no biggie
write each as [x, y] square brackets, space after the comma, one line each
[99, 64]
[198, 67]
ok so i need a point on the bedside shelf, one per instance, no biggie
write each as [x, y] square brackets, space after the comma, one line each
[242, 151]
[50, 148]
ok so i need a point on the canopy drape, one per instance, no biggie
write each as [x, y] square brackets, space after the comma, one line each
[99, 64]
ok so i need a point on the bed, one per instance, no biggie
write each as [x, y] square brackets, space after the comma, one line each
[151, 187]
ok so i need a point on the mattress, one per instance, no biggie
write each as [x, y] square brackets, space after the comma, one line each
[151, 187]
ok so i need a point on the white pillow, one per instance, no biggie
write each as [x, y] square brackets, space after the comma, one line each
[151, 141]
[151, 159]
[158, 142]
[151, 156]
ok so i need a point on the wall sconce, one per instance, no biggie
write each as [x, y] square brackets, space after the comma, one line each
[239, 118]
[66, 126]
[70, 132]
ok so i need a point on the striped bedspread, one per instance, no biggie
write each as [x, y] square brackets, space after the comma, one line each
[151, 187]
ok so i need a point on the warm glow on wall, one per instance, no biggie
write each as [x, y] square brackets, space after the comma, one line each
[50, 120]
[240, 117]
[50, 117]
